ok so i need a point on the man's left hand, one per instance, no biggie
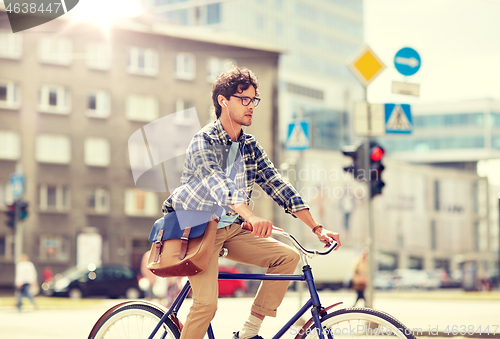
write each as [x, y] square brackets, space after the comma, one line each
[329, 236]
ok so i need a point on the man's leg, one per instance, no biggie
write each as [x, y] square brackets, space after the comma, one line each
[278, 258]
[205, 294]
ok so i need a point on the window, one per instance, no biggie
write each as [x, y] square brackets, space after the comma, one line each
[260, 22]
[54, 198]
[54, 99]
[56, 51]
[7, 246]
[433, 235]
[98, 104]
[437, 204]
[216, 65]
[54, 247]
[181, 115]
[10, 145]
[11, 45]
[52, 148]
[213, 14]
[140, 203]
[98, 200]
[5, 195]
[142, 108]
[9, 95]
[142, 61]
[2, 246]
[98, 56]
[185, 66]
[97, 152]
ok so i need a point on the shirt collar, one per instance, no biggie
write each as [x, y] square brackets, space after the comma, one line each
[223, 136]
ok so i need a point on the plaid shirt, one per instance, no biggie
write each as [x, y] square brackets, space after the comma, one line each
[205, 185]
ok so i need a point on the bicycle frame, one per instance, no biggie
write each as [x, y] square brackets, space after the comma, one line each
[306, 276]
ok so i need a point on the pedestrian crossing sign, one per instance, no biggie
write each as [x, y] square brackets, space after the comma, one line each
[398, 118]
[298, 136]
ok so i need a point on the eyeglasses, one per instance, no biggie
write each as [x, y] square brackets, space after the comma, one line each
[245, 101]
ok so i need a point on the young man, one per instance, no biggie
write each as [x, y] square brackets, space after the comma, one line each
[222, 165]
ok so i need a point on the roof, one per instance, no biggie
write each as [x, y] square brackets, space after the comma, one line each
[151, 25]
[147, 24]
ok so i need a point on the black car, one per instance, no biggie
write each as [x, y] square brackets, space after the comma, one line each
[112, 281]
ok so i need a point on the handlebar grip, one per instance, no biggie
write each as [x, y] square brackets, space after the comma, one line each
[248, 226]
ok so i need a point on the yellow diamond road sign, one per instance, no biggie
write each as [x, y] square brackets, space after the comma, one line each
[366, 66]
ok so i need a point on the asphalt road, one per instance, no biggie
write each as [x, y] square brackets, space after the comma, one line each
[422, 312]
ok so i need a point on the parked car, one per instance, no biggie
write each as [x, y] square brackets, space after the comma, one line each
[231, 288]
[383, 280]
[111, 281]
[410, 278]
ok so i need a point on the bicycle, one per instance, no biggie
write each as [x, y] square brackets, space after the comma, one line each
[142, 319]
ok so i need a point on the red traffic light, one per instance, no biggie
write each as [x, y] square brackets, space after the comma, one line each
[377, 154]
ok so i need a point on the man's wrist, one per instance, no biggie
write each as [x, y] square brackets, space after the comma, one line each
[317, 228]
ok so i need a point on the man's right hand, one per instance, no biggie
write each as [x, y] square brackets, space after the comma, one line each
[261, 227]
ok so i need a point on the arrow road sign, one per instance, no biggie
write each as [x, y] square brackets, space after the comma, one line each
[398, 118]
[407, 61]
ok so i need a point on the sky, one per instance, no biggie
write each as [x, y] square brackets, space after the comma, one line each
[458, 42]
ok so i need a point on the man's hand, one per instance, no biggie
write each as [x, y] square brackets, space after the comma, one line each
[261, 227]
[329, 236]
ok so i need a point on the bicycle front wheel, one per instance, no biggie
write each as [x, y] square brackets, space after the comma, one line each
[135, 321]
[358, 323]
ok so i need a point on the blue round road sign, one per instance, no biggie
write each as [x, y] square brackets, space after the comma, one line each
[407, 61]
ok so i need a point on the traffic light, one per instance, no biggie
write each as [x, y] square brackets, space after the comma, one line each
[11, 216]
[23, 208]
[357, 167]
[376, 168]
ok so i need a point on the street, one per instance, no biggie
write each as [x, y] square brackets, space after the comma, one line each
[422, 312]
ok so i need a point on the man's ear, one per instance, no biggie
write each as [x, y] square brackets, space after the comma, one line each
[220, 99]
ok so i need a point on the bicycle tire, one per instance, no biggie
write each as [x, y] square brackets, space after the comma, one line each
[352, 322]
[135, 321]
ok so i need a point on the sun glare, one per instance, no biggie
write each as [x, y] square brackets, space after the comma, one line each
[102, 13]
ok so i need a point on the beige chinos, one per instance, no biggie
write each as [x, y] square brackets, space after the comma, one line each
[245, 248]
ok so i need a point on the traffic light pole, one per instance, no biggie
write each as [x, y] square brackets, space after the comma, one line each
[18, 237]
[369, 211]
[370, 234]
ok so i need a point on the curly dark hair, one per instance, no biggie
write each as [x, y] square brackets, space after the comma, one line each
[235, 80]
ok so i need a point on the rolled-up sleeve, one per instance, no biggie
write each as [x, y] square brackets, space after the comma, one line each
[271, 181]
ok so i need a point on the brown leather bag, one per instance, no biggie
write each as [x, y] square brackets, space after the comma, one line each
[182, 257]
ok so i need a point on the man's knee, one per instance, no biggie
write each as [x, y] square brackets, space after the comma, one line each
[288, 257]
[207, 309]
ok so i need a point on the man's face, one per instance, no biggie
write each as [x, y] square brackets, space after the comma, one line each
[239, 113]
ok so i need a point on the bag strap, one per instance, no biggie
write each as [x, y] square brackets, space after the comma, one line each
[184, 243]
[158, 245]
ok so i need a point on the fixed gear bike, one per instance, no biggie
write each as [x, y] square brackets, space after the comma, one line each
[146, 320]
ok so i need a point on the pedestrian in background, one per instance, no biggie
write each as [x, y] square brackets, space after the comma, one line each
[359, 276]
[26, 277]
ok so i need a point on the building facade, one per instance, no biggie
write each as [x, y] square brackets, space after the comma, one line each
[459, 134]
[462, 135]
[318, 37]
[71, 96]
[426, 218]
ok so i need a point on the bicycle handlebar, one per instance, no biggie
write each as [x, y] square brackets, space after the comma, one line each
[309, 253]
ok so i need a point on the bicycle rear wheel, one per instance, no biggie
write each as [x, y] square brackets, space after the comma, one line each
[135, 321]
[358, 323]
